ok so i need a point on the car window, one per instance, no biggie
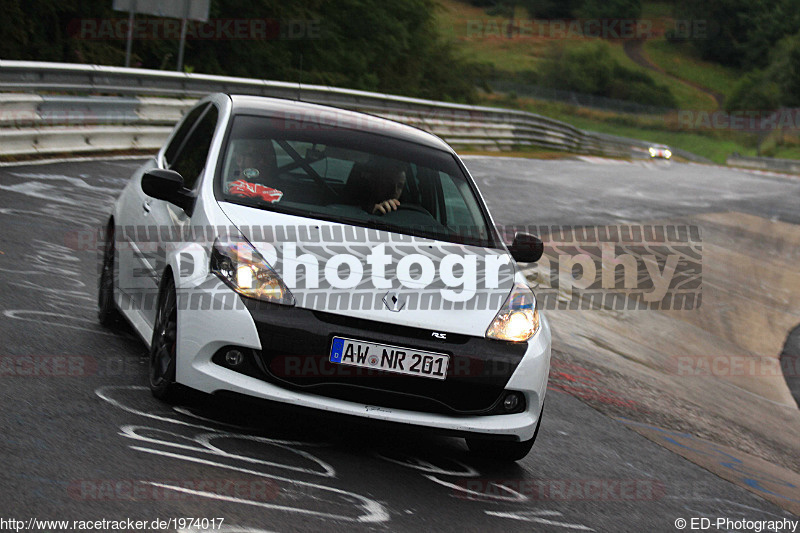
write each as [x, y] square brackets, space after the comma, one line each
[458, 209]
[191, 159]
[183, 131]
[345, 175]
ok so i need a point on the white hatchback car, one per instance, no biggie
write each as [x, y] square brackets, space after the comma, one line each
[332, 260]
[659, 151]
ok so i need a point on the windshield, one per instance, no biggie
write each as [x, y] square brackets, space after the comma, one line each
[347, 176]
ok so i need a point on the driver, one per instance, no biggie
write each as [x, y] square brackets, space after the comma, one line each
[387, 187]
[377, 188]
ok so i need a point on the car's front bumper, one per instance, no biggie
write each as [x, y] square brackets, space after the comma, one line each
[464, 403]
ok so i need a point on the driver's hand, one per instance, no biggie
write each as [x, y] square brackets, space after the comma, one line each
[385, 207]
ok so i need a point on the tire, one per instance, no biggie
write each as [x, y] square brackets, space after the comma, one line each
[163, 348]
[107, 312]
[503, 451]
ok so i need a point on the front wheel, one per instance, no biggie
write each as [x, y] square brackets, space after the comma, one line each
[163, 348]
[503, 451]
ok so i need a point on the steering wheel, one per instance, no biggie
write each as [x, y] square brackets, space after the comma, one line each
[413, 207]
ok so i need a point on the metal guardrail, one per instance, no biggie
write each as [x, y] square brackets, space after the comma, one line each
[791, 166]
[152, 101]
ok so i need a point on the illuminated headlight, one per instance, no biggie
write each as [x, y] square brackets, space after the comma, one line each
[518, 319]
[652, 152]
[240, 266]
[667, 154]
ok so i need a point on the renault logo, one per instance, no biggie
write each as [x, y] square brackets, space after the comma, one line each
[393, 301]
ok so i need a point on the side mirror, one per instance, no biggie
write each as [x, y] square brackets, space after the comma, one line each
[526, 248]
[167, 185]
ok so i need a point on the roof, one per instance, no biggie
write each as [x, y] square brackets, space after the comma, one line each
[329, 116]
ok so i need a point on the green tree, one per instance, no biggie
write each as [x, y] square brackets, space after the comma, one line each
[724, 26]
[392, 47]
[768, 21]
[611, 9]
[590, 68]
[739, 33]
[775, 86]
[784, 70]
[754, 92]
[586, 69]
[13, 35]
[552, 9]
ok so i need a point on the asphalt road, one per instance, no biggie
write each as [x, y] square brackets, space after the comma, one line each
[82, 439]
[595, 191]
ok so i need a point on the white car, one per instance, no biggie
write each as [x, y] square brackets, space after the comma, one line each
[659, 151]
[331, 260]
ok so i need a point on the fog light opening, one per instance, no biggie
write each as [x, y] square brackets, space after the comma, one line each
[234, 358]
[511, 401]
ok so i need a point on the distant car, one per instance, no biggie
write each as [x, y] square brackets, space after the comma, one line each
[659, 151]
[330, 260]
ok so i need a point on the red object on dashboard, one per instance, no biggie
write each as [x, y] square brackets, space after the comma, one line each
[255, 190]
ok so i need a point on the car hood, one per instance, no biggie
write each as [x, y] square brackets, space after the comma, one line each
[379, 275]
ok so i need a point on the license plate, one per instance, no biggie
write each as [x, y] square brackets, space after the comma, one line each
[389, 358]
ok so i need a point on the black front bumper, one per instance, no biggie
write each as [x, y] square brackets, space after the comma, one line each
[296, 345]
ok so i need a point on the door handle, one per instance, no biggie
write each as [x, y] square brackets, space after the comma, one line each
[146, 206]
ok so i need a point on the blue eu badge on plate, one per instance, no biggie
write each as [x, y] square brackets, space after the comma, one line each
[336, 350]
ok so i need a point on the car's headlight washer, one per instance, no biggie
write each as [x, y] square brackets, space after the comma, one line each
[243, 269]
[518, 319]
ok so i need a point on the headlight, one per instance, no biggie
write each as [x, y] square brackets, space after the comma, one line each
[240, 266]
[518, 319]
[667, 154]
[652, 152]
